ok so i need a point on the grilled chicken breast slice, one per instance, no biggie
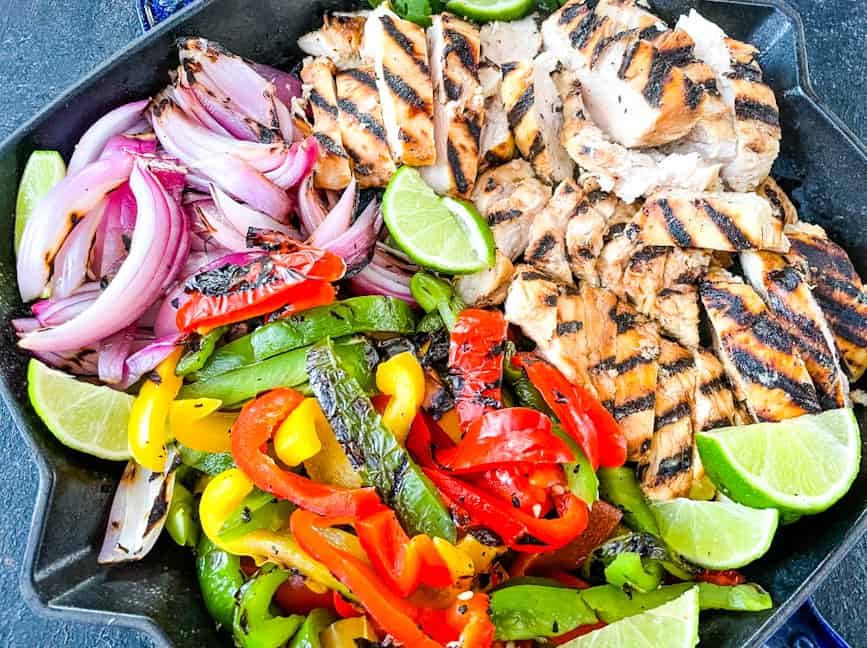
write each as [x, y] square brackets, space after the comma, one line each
[667, 470]
[634, 92]
[739, 79]
[509, 197]
[333, 169]
[516, 40]
[487, 287]
[836, 287]
[759, 354]
[362, 128]
[711, 220]
[546, 249]
[497, 143]
[339, 39]
[454, 47]
[629, 173]
[714, 402]
[788, 297]
[398, 49]
[534, 112]
[781, 206]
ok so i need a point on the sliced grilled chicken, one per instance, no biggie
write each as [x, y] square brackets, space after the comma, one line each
[333, 170]
[836, 287]
[635, 371]
[459, 105]
[676, 304]
[633, 91]
[711, 220]
[759, 354]
[546, 249]
[398, 49]
[497, 145]
[487, 287]
[714, 402]
[788, 297]
[627, 172]
[598, 338]
[517, 40]
[362, 128]
[339, 39]
[509, 197]
[667, 469]
[781, 206]
[739, 79]
[534, 111]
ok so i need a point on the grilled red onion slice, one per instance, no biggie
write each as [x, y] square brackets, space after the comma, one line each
[145, 144]
[242, 181]
[115, 232]
[138, 512]
[356, 243]
[218, 226]
[146, 359]
[311, 211]
[55, 215]
[24, 325]
[140, 279]
[54, 312]
[242, 217]
[70, 264]
[297, 165]
[97, 136]
[79, 363]
[384, 275]
[230, 121]
[113, 352]
[189, 102]
[287, 85]
[338, 219]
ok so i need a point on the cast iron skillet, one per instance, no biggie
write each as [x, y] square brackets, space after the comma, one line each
[822, 164]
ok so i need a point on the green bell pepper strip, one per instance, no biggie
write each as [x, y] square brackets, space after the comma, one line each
[535, 611]
[210, 463]
[436, 296]
[285, 370]
[356, 315]
[254, 625]
[628, 571]
[646, 545]
[259, 510]
[429, 323]
[525, 390]
[182, 521]
[198, 351]
[372, 449]
[220, 578]
[619, 487]
[308, 634]
[612, 603]
[580, 477]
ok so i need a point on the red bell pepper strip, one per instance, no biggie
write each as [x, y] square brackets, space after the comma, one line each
[426, 437]
[727, 577]
[345, 609]
[583, 417]
[466, 623]
[251, 432]
[403, 562]
[518, 530]
[478, 341]
[394, 615]
[232, 293]
[526, 486]
[516, 434]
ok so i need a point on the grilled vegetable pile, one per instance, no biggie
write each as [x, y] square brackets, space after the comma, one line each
[558, 384]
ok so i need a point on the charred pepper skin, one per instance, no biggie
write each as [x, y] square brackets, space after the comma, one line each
[372, 449]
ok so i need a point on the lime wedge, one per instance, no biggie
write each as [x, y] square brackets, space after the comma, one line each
[715, 535]
[43, 170]
[484, 10]
[445, 234]
[801, 465]
[85, 417]
[673, 625]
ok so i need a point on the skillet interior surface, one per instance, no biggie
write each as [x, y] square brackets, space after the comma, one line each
[821, 164]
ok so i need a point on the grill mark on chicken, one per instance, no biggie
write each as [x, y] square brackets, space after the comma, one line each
[726, 225]
[404, 91]
[585, 28]
[321, 102]
[714, 385]
[680, 365]
[404, 43]
[761, 373]
[504, 216]
[679, 411]
[329, 144]
[542, 247]
[370, 124]
[522, 106]
[750, 109]
[675, 227]
[571, 12]
[565, 328]
[647, 253]
[634, 406]
[660, 67]
[454, 158]
[362, 77]
[745, 72]
[536, 147]
[458, 44]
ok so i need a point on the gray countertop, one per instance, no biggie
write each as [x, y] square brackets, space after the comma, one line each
[45, 45]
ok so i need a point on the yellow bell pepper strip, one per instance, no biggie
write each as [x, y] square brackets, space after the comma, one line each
[148, 418]
[221, 497]
[296, 440]
[331, 465]
[402, 378]
[343, 633]
[197, 424]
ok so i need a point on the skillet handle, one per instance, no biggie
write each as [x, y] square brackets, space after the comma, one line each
[151, 12]
[806, 629]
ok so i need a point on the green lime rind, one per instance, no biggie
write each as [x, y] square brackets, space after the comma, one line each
[487, 10]
[43, 170]
[443, 234]
[715, 535]
[673, 625]
[85, 417]
[798, 466]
